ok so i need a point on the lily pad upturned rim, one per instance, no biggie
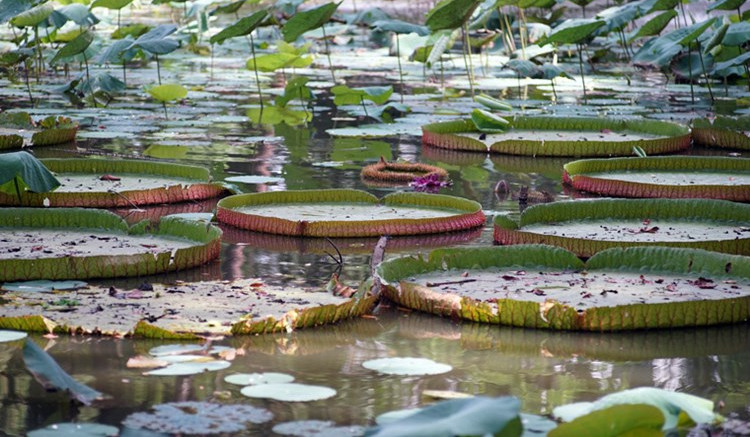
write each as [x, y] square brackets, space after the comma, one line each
[575, 175]
[201, 188]
[468, 213]
[508, 231]
[551, 314]
[723, 132]
[400, 172]
[207, 245]
[676, 137]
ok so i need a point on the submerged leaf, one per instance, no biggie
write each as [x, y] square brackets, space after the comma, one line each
[189, 418]
[52, 376]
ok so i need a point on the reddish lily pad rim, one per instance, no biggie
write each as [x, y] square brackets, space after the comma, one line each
[551, 314]
[675, 137]
[507, 231]
[201, 189]
[206, 248]
[575, 175]
[400, 172]
[723, 132]
[468, 214]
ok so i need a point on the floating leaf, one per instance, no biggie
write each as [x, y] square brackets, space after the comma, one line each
[406, 366]
[168, 92]
[319, 428]
[310, 19]
[258, 378]
[43, 286]
[275, 61]
[471, 416]
[255, 179]
[6, 336]
[52, 376]
[343, 95]
[493, 103]
[175, 349]
[75, 430]
[189, 418]
[289, 392]
[190, 368]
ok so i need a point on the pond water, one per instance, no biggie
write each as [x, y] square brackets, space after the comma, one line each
[211, 128]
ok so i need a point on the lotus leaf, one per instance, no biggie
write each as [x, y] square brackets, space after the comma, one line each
[310, 19]
[242, 27]
[33, 16]
[572, 31]
[168, 92]
[75, 46]
[637, 419]
[21, 172]
[450, 14]
[289, 392]
[155, 40]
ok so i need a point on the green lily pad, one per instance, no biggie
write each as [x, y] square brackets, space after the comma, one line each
[673, 176]
[6, 336]
[289, 392]
[239, 307]
[348, 213]
[406, 366]
[75, 430]
[42, 286]
[547, 287]
[258, 378]
[119, 183]
[561, 136]
[66, 243]
[168, 92]
[724, 132]
[190, 368]
[586, 227]
[635, 419]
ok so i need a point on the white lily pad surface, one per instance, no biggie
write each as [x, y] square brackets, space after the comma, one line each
[42, 286]
[558, 135]
[289, 392]
[174, 349]
[407, 366]
[258, 378]
[6, 336]
[675, 178]
[96, 183]
[69, 429]
[328, 211]
[255, 179]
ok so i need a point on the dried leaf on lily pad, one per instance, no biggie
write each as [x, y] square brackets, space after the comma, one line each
[348, 213]
[671, 404]
[289, 392]
[317, 428]
[172, 311]
[198, 418]
[7, 336]
[258, 378]
[559, 136]
[52, 376]
[407, 366]
[71, 429]
[548, 287]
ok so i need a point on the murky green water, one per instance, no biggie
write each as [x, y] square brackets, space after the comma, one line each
[544, 369]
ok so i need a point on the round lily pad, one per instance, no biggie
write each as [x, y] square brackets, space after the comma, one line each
[69, 243]
[42, 286]
[198, 418]
[724, 132]
[317, 428]
[174, 349]
[75, 430]
[348, 213]
[258, 378]
[190, 368]
[119, 183]
[548, 287]
[561, 136]
[6, 336]
[393, 173]
[289, 392]
[672, 176]
[407, 366]
[586, 227]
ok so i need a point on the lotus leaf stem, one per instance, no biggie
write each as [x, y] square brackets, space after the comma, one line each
[580, 65]
[400, 70]
[255, 68]
[328, 52]
[467, 58]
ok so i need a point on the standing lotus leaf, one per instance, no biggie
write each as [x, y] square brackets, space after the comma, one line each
[559, 136]
[586, 227]
[348, 213]
[539, 286]
[673, 176]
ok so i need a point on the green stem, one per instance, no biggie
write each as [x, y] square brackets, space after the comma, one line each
[690, 72]
[88, 79]
[362, 101]
[158, 68]
[705, 75]
[164, 105]
[257, 77]
[18, 190]
[554, 91]
[328, 52]
[467, 59]
[28, 85]
[580, 65]
[400, 71]
[40, 60]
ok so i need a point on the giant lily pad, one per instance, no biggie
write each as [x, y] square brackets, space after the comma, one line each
[673, 176]
[586, 227]
[17, 128]
[561, 136]
[289, 392]
[726, 132]
[119, 183]
[547, 287]
[406, 366]
[348, 213]
[179, 311]
[68, 243]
